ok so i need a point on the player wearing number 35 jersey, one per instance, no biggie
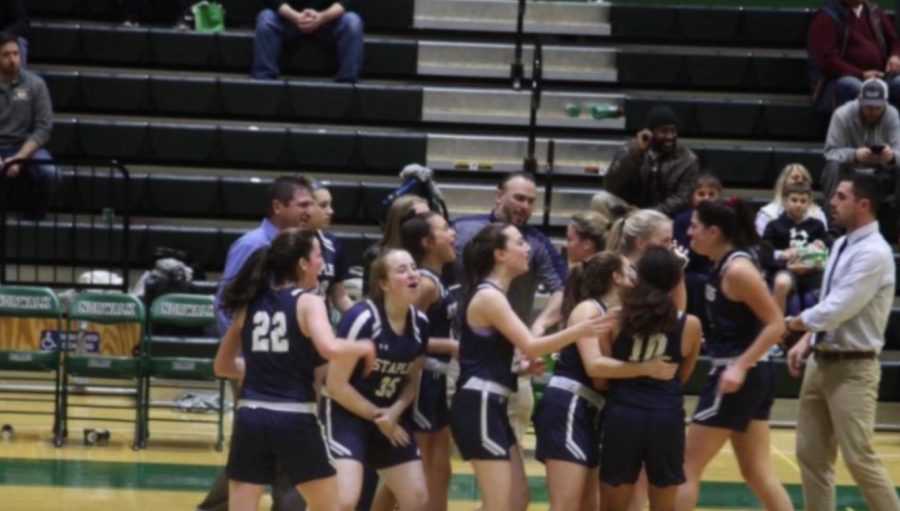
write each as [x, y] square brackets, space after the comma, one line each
[279, 335]
[365, 415]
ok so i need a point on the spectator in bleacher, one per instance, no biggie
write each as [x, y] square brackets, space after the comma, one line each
[651, 171]
[790, 174]
[514, 204]
[291, 205]
[134, 10]
[26, 122]
[14, 21]
[864, 137]
[285, 20]
[851, 41]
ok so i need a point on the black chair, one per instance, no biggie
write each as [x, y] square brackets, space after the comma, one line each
[321, 100]
[253, 98]
[335, 149]
[183, 142]
[650, 68]
[392, 151]
[182, 49]
[642, 21]
[183, 95]
[253, 145]
[718, 70]
[118, 140]
[734, 118]
[183, 195]
[395, 104]
[115, 93]
[63, 88]
[116, 45]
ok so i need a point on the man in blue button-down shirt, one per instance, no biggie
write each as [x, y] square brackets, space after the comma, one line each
[839, 397]
[291, 205]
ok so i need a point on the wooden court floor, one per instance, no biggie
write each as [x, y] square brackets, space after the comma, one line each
[174, 472]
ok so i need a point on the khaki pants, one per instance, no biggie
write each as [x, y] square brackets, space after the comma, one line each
[837, 410]
[521, 404]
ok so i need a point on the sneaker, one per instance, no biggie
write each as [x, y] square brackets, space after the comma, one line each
[132, 24]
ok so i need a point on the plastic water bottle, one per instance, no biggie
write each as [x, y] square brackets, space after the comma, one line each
[600, 112]
[573, 110]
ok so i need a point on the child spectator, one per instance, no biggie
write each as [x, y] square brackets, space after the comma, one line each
[789, 236]
[793, 173]
[697, 272]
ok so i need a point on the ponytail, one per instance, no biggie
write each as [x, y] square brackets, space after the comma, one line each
[593, 278]
[275, 264]
[647, 308]
[734, 217]
[478, 256]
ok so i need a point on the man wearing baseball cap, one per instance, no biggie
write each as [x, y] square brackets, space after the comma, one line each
[864, 137]
[650, 171]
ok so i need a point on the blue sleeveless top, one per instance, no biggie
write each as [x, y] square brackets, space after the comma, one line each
[733, 325]
[570, 365]
[484, 352]
[644, 392]
[442, 315]
[280, 360]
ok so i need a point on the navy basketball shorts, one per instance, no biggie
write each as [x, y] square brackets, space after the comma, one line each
[263, 439]
[635, 438]
[568, 428]
[480, 425]
[735, 411]
[352, 437]
[430, 412]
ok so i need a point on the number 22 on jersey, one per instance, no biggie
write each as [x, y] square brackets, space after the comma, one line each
[269, 332]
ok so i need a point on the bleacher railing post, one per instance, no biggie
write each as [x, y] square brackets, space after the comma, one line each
[530, 163]
[548, 189]
[517, 70]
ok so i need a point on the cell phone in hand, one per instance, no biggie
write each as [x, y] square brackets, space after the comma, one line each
[877, 149]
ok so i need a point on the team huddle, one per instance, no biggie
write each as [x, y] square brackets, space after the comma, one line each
[337, 410]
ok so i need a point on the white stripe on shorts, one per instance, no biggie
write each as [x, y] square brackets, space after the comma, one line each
[570, 442]
[335, 446]
[486, 441]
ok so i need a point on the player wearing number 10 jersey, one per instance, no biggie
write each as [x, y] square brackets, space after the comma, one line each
[365, 415]
[283, 333]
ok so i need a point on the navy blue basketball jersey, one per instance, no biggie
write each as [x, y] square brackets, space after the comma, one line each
[280, 360]
[733, 326]
[395, 353]
[335, 269]
[442, 315]
[646, 392]
[485, 353]
[570, 365]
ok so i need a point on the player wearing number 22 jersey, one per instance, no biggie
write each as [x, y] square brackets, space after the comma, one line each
[351, 436]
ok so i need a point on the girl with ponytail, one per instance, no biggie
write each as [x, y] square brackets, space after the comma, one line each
[491, 331]
[644, 417]
[280, 334]
[744, 324]
[568, 415]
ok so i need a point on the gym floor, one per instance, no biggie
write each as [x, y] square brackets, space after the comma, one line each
[180, 463]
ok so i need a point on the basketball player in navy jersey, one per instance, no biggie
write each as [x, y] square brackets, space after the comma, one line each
[644, 418]
[365, 414]
[491, 331]
[568, 418]
[745, 323]
[335, 270]
[279, 335]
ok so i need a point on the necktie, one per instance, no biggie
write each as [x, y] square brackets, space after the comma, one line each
[837, 259]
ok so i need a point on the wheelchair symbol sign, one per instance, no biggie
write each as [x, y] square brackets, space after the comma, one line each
[50, 340]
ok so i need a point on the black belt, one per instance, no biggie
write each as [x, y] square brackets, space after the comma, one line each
[840, 356]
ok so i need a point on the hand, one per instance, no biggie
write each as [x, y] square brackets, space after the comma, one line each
[643, 139]
[798, 268]
[535, 367]
[868, 75]
[13, 171]
[682, 253]
[538, 329]
[789, 254]
[369, 355]
[886, 156]
[310, 21]
[797, 354]
[389, 427]
[864, 155]
[820, 244]
[598, 325]
[660, 368]
[893, 65]
[732, 379]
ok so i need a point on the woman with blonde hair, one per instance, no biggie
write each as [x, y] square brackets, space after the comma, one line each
[585, 236]
[790, 174]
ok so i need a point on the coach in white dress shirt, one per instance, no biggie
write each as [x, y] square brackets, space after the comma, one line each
[839, 396]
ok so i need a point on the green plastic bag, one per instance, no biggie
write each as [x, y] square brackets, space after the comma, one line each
[209, 17]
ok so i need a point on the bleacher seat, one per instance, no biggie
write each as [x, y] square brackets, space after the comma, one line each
[718, 70]
[114, 93]
[795, 122]
[767, 25]
[393, 151]
[813, 160]
[780, 72]
[183, 195]
[253, 98]
[726, 117]
[740, 167]
[65, 141]
[390, 103]
[117, 140]
[321, 100]
[321, 148]
[120, 45]
[346, 201]
[650, 68]
[371, 197]
[183, 142]
[253, 145]
[183, 95]
[180, 49]
[63, 87]
[642, 21]
[708, 23]
[54, 42]
[202, 243]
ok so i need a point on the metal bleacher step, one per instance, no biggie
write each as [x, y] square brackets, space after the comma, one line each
[491, 60]
[500, 16]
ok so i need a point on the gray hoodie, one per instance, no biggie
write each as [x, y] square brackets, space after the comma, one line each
[25, 112]
[847, 133]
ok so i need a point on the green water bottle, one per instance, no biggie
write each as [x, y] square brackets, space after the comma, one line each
[573, 110]
[600, 112]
